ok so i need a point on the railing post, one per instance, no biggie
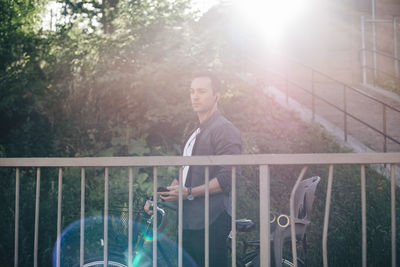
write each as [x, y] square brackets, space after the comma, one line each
[233, 245]
[384, 128]
[265, 257]
[395, 52]
[345, 112]
[106, 217]
[374, 39]
[287, 82]
[312, 95]
[59, 207]
[364, 60]
[130, 216]
[155, 216]
[82, 229]
[374, 81]
[35, 246]
[206, 218]
[393, 207]
[180, 210]
[16, 231]
[363, 217]
[326, 218]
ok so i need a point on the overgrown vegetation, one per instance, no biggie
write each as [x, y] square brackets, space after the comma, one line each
[389, 84]
[118, 87]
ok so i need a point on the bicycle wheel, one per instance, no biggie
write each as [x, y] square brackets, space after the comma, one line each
[249, 260]
[255, 262]
[289, 263]
[100, 263]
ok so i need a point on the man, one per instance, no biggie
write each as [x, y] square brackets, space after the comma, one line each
[215, 135]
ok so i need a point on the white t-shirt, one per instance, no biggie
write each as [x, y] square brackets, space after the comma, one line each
[187, 151]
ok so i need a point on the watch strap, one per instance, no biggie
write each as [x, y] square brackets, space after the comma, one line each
[189, 195]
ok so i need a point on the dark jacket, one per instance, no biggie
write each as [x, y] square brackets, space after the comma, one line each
[217, 136]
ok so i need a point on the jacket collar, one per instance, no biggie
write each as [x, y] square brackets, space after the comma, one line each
[209, 120]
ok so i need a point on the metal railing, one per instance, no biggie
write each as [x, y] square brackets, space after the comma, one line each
[344, 110]
[378, 52]
[395, 77]
[263, 161]
[374, 50]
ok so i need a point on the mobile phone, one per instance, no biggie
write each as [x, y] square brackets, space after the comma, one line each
[162, 189]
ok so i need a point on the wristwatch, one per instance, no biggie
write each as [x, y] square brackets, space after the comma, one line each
[190, 196]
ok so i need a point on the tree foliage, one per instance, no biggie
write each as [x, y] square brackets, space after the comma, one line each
[24, 129]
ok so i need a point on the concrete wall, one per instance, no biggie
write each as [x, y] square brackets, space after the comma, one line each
[331, 37]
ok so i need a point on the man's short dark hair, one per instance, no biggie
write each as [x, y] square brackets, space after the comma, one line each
[215, 82]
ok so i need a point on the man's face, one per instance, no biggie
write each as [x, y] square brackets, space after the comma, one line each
[202, 96]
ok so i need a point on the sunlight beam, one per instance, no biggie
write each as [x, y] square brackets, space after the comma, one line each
[270, 18]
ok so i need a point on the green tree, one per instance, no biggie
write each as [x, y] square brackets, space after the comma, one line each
[24, 128]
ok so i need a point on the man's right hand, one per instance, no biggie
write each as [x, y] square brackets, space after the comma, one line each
[147, 207]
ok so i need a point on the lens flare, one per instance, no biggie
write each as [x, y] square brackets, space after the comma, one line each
[136, 260]
[148, 233]
[94, 234]
[270, 18]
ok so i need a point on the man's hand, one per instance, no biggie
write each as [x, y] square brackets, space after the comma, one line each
[173, 193]
[147, 207]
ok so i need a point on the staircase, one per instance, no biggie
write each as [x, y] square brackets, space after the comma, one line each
[360, 117]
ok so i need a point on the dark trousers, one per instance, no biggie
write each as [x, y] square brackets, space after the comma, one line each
[193, 244]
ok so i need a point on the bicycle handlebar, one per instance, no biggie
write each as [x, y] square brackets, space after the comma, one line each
[163, 203]
[166, 204]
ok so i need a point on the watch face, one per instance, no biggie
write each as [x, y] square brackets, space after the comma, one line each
[190, 197]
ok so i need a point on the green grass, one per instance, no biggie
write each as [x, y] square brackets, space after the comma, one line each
[389, 84]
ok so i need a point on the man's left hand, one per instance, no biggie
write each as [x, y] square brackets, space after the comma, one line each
[173, 193]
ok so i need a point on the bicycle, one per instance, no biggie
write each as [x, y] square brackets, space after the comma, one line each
[280, 231]
[250, 254]
[248, 257]
[117, 258]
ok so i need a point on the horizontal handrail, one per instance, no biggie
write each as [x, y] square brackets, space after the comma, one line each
[381, 71]
[379, 53]
[342, 110]
[259, 159]
[347, 113]
[345, 84]
[340, 82]
[379, 20]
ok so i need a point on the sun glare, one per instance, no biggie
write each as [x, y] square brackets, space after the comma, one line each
[270, 18]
